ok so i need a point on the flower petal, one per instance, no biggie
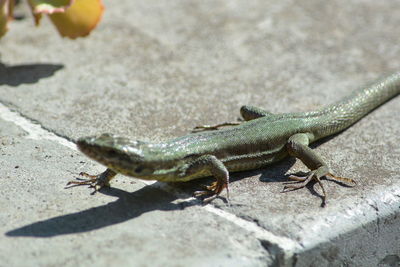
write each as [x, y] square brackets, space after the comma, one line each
[49, 6]
[39, 7]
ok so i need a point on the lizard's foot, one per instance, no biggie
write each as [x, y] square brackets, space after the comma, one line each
[213, 190]
[94, 181]
[214, 127]
[315, 175]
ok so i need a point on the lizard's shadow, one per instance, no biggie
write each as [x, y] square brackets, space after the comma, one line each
[129, 205]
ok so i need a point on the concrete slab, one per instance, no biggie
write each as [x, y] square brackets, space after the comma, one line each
[153, 71]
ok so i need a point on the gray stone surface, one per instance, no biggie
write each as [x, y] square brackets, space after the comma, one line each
[153, 70]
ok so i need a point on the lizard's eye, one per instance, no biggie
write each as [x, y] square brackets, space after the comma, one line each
[139, 169]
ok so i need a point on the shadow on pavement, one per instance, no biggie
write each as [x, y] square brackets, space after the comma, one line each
[131, 205]
[128, 206]
[27, 73]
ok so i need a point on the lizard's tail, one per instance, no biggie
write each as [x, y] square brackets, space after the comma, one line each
[352, 108]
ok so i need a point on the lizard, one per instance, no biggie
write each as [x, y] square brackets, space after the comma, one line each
[261, 139]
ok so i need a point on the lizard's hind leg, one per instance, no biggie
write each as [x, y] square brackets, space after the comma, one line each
[297, 146]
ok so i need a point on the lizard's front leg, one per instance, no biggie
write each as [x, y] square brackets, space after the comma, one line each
[248, 113]
[96, 181]
[214, 127]
[297, 146]
[212, 165]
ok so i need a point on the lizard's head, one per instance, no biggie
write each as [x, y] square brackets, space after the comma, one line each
[123, 155]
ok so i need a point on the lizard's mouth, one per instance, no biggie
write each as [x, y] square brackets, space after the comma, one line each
[117, 153]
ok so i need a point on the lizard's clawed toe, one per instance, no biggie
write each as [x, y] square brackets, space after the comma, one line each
[304, 181]
[213, 191]
[341, 179]
[214, 127]
[94, 181]
[316, 175]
